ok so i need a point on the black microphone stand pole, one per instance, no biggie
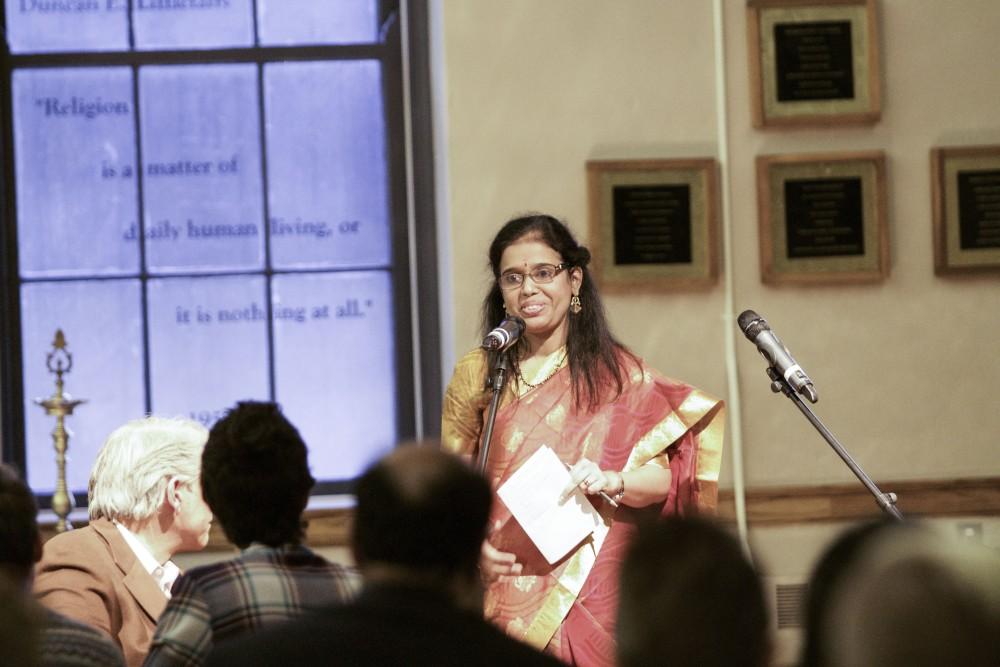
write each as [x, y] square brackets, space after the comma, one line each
[887, 501]
[498, 379]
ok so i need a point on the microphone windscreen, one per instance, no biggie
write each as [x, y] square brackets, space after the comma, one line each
[751, 324]
[745, 318]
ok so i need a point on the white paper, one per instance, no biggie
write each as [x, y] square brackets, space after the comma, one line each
[532, 496]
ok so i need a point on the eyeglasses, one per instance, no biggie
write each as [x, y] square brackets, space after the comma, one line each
[541, 274]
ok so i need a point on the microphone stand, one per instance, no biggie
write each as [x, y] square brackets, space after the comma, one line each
[887, 501]
[498, 379]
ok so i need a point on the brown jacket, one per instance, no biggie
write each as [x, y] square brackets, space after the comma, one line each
[91, 575]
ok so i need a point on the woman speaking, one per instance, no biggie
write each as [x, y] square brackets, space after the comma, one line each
[637, 443]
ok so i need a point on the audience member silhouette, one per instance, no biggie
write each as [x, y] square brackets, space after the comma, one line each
[19, 626]
[915, 598]
[689, 596]
[419, 524]
[827, 575]
[255, 477]
[29, 633]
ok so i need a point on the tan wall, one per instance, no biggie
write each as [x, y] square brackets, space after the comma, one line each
[908, 370]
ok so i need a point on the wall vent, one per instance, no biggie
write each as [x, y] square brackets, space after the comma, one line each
[789, 605]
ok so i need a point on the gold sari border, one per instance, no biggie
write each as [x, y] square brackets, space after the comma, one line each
[549, 617]
[658, 438]
[672, 428]
[710, 461]
[568, 586]
[710, 442]
[695, 407]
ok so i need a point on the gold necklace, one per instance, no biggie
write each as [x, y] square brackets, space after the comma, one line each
[559, 366]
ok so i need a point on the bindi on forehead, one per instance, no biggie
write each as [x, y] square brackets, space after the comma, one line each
[527, 255]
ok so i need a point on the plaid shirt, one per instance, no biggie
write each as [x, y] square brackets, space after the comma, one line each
[238, 597]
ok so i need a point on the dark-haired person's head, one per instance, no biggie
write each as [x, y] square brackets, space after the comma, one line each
[913, 598]
[20, 546]
[421, 511]
[827, 575]
[255, 475]
[20, 626]
[689, 596]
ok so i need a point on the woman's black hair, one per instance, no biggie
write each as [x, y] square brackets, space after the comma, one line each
[594, 355]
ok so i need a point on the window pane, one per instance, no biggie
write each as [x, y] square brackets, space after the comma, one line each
[201, 155]
[75, 158]
[327, 165]
[335, 370]
[168, 24]
[286, 22]
[39, 26]
[100, 320]
[207, 344]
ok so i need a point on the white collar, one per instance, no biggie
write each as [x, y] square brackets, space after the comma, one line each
[164, 574]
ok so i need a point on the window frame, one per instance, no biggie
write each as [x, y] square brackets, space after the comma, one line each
[404, 53]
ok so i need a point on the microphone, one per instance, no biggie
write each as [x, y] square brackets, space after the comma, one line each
[758, 332]
[505, 334]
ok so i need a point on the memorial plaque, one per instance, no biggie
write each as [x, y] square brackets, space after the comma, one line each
[652, 224]
[966, 209]
[814, 61]
[824, 217]
[979, 209]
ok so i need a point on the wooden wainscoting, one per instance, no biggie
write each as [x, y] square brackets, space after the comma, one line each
[768, 506]
[771, 506]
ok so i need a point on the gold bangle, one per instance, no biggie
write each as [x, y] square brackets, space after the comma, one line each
[621, 491]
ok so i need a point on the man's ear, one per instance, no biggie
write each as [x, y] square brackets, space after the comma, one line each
[173, 496]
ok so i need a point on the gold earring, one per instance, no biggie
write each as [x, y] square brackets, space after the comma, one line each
[574, 305]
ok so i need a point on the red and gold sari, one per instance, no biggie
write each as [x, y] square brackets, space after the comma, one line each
[568, 608]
